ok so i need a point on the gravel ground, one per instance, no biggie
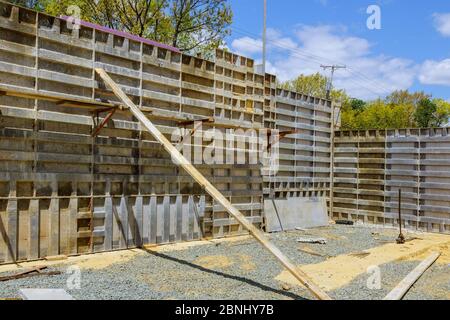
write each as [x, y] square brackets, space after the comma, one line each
[234, 270]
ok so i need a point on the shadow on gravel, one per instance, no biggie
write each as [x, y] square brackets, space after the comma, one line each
[228, 276]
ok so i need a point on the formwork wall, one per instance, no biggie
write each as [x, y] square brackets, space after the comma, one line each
[305, 153]
[371, 166]
[64, 191]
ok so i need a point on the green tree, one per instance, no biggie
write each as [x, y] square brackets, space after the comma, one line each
[442, 116]
[425, 114]
[314, 85]
[357, 105]
[34, 4]
[406, 98]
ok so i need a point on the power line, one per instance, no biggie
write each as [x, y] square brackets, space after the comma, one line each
[333, 68]
[318, 59]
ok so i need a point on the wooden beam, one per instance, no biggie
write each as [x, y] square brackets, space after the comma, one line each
[2, 93]
[403, 287]
[191, 122]
[200, 179]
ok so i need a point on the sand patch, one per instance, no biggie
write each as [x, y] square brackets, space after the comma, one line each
[104, 260]
[444, 259]
[341, 270]
[244, 262]
[214, 262]
[187, 245]
[94, 261]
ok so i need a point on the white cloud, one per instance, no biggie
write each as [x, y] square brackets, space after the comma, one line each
[442, 23]
[247, 46]
[435, 72]
[368, 75]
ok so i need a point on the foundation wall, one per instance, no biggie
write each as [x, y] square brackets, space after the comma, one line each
[66, 191]
[305, 152]
[371, 166]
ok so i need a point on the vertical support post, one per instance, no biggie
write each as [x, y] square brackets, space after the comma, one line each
[265, 38]
[401, 238]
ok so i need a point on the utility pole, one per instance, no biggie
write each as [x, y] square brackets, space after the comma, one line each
[265, 37]
[333, 70]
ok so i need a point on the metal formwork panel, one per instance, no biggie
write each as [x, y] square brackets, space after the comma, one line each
[305, 155]
[370, 167]
[118, 189]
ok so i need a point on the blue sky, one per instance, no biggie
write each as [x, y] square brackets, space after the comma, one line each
[410, 51]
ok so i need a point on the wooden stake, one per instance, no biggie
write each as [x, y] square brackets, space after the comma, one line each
[403, 287]
[200, 179]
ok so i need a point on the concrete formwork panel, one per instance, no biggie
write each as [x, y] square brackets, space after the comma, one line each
[64, 191]
[371, 166]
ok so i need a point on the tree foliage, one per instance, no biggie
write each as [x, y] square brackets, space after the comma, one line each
[194, 26]
[400, 109]
[314, 85]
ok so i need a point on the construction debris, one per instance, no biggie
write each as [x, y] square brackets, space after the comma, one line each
[360, 255]
[345, 222]
[403, 287]
[312, 240]
[311, 252]
[37, 271]
[45, 294]
[286, 287]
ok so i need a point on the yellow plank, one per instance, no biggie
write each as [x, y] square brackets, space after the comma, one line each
[403, 287]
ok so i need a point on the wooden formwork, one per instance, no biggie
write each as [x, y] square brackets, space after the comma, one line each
[75, 178]
[371, 166]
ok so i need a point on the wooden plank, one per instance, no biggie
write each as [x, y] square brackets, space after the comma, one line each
[123, 225]
[403, 287]
[191, 219]
[173, 219]
[117, 227]
[166, 218]
[131, 220]
[179, 214]
[108, 221]
[146, 211]
[153, 219]
[192, 171]
[33, 242]
[12, 226]
[185, 220]
[159, 220]
[54, 226]
[138, 217]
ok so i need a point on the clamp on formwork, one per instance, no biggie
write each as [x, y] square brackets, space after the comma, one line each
[197, 125]
[99, 126]
[278, 137]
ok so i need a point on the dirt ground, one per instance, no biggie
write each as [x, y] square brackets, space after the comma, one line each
[239, 268]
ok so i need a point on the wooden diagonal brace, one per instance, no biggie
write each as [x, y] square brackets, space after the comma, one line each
[211, 190]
